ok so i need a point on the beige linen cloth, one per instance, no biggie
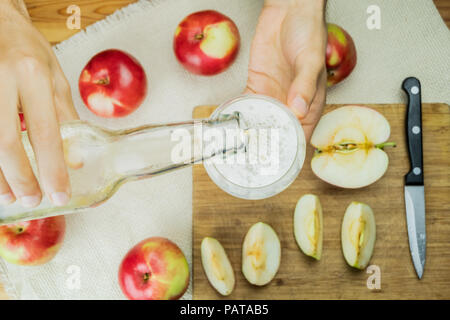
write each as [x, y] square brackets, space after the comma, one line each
[413, 41]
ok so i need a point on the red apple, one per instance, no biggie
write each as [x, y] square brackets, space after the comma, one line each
[154, 269]
[206, 42]
[341, 54]
[23, 126]
[113, 84]
[32, 242]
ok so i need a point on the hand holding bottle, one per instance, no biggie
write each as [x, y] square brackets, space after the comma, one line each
[31, 81]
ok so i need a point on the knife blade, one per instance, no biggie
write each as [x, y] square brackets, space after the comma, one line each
[414, 179]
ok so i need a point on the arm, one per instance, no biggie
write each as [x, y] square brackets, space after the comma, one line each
[287, 59]
[31, 81]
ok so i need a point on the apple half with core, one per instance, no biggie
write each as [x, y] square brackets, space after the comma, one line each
[308, 225]
[358, 234]
[341, 54]
[206, 42]
[154, 269]
[113, 84]
[261, 254]
[34, 242]
[350, 144]
[217, 266]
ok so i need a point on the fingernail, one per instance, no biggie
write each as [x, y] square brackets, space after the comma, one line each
[30, 201]
[60, 198]
[299, 106]
[6, 198]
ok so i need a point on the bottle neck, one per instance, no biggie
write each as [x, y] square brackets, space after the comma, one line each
[156, 149]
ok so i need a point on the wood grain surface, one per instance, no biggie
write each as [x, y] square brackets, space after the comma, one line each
[219, 215]
[443, 7]
[50, 16]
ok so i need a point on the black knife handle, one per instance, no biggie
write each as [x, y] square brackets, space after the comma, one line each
[414, 131]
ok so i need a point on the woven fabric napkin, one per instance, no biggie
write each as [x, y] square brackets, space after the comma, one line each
[413, 40]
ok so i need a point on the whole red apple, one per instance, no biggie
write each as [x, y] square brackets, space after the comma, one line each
[341, 54]
[113, 84]
[154, 269]
[206, 42]
[32, 242]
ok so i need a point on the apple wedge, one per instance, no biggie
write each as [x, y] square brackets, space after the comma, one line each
[261, 254]
[349, 144]
[217, 267]
[358, 234]
[308, 225]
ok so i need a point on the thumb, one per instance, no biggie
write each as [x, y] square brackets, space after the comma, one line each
[303, 88]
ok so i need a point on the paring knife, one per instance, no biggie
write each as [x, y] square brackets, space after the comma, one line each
[414, 186]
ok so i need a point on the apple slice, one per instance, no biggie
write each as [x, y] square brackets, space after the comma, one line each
[358, 234]
[349, 144]
[261, 254]
[308, 225]
[217, 267]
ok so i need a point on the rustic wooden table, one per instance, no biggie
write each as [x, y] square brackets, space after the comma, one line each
[50, 17]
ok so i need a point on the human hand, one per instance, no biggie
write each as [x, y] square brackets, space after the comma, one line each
[287, 58]
[31, 81]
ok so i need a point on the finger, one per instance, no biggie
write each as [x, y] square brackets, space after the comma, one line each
[304, 86]
[248, 90]
[315, 112]
[6, 195]
[43, 129]
[260, 82]
[16, 169]
[65, 110]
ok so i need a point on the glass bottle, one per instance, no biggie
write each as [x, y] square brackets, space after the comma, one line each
[99, 161]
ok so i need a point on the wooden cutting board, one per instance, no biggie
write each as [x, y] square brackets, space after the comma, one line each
[219, 215]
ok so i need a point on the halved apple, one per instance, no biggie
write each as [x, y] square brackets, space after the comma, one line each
[261, 254]
[308, 225]
[349, 144]
[358, 234]
[217, 267]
